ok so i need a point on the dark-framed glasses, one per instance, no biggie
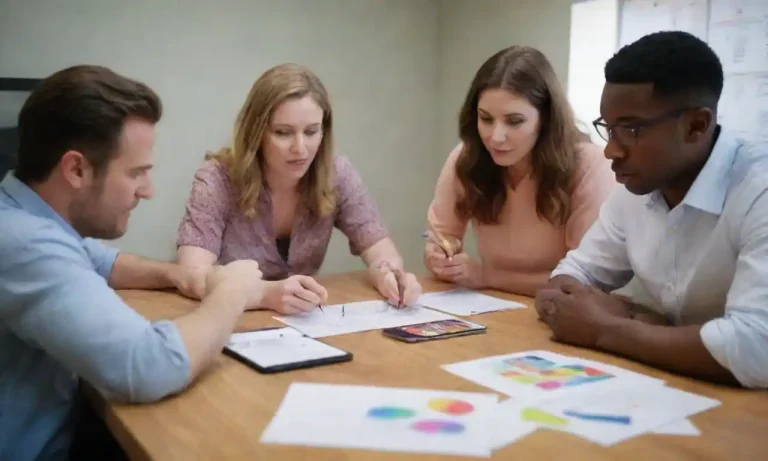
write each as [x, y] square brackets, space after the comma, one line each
[624, 133]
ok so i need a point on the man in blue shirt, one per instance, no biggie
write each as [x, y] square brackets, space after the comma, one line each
[690, 224]
[86, 137]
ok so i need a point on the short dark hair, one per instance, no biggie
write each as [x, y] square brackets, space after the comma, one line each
[79, 108]
[680, 66]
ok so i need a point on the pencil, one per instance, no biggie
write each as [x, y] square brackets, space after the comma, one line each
[427, 235]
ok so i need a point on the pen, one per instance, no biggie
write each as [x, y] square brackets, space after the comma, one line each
[440, 242]
[400, 286]
[320, 306]
[342, 309]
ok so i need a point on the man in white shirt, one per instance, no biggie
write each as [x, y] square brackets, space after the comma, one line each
[690, 223]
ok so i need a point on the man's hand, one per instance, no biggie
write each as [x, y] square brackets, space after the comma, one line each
[190, 280]
[243, 277]
[579, 317]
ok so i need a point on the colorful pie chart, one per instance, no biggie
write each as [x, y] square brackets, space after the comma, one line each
[390, 413]
[435, 426]
[451, 406]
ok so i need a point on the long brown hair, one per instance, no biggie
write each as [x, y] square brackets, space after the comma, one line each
[245, 160]
[526, 72]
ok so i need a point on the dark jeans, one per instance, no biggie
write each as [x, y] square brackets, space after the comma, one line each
[92, 440]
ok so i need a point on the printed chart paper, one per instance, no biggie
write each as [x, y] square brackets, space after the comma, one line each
[466, 302]
[508, 425]
[680, 427]
[610, 417]
[341, 319]
[268, 348]
[388, 419]
[514, 420]
[542, 375]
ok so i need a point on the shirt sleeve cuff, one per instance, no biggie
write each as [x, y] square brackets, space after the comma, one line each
[559, 270]
[102, 256]
[713, 334]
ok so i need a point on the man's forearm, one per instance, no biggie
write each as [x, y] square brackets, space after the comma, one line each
[134, 272]
[677, 349]
[206, 330]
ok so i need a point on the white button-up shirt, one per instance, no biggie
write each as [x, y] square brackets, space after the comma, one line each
[703, 262]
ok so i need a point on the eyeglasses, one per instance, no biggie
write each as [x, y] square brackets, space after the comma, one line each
[625, 133]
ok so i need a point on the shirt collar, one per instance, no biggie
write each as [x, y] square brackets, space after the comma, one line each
[29, 201]
[708, 191]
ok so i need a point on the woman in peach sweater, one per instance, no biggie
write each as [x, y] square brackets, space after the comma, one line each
[526, 178]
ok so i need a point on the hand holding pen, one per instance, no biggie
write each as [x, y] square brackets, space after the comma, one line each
[444, 258]
[439, 244]
[296, 294]
[400, 288]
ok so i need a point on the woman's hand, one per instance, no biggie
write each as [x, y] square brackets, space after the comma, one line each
[294, 295]
[400, 288]
[460, 269]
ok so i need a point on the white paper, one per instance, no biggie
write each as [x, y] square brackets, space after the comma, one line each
[623, 413]
[542, 375]
[642, 17]
[681, 427]
[508, 426]
[743, 106]
[359, 316]
[466, 302]
[741, 46]
[280, 346]
[380, 418]
[729, 11]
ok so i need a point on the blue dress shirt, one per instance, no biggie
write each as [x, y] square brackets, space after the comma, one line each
[60, 321]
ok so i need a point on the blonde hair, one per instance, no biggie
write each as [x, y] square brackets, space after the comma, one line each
[244, 160]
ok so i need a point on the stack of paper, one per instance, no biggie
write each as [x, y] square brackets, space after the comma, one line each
[599, 402]
[359, 316]
[380, 418]
[466, 302]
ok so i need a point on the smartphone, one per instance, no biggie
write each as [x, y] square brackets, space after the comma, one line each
[441, 329]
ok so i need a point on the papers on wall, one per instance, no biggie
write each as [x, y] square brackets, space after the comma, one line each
[359, 316]
[542, 375]
[741, 45]
[642, 17]
[466, 302]
[388, 419]
[730, 11]
[743, 106]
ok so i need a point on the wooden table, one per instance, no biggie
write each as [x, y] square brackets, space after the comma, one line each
[222, 415]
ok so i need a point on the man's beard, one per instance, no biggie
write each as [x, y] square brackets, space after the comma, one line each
[91, 217]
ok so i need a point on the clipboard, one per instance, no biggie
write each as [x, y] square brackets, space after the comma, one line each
[279, 349]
